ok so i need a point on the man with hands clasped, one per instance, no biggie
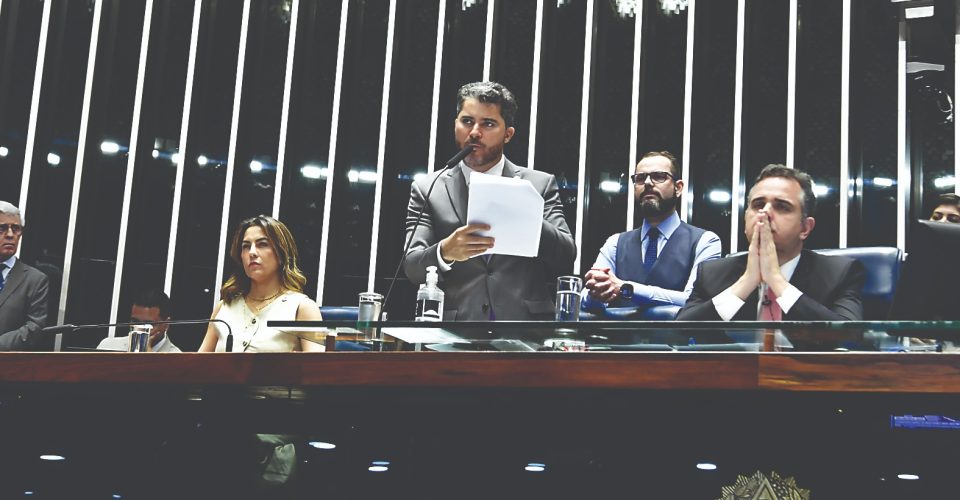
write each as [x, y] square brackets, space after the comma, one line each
[777, 279]
[656, 263]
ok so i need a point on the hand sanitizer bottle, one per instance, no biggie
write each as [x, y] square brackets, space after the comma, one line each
[430, 298]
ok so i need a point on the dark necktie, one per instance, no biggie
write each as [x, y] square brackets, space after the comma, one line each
[3, 267]
[650, 258]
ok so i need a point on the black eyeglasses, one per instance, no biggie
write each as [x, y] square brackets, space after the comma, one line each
[656, 177]
[16, 228]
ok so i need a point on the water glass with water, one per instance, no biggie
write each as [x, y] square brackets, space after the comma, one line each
[568, 298]
[369, 310]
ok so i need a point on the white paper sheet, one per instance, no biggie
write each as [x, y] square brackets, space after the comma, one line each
[514, 210]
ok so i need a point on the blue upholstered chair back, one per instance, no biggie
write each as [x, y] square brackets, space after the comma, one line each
[343, 313]
[883, 265]
[655, 313]
[339, 313]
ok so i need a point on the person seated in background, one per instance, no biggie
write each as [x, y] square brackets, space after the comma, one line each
[265, 284]
[657, 263]
[23, 289]
[148, 307]
[948, 209]
[777, 279]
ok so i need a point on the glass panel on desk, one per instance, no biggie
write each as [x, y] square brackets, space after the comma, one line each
[815, 336]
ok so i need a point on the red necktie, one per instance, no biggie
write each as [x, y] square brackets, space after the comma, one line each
[769, 308]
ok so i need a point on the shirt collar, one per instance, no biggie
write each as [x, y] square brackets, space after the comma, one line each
[494, 170]
[666, 228]
[789, 267]
[158, 347]
[10, 262]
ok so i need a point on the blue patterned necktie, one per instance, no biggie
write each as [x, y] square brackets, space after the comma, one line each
[3, 267]
[650, 258]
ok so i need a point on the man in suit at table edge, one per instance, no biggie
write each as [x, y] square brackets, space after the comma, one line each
[777, 279]
[488, 287]
[23, 289]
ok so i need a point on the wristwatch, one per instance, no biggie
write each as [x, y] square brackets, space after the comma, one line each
[626, 291]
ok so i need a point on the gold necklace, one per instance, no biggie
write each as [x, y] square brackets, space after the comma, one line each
[263, 302]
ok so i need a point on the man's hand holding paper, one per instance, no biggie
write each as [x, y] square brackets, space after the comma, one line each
[511, 208]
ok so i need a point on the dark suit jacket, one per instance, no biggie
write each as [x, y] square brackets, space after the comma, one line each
[23, 306]
[831, 289]
[518, 288]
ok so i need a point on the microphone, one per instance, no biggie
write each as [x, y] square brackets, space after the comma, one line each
[452, 162]
[457, 158]
[69, 328]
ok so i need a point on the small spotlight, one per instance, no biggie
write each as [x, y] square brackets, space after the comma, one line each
[939, 182]
[719, 196]
[819, 190]
[175, 158]
[52, 458]
[378, 468]
[53, 159]
[368, 176]
[610, 187]
[883, 182]
[706, 466]
[202, 160]
[256, 166]
[535, 467]
[4, 151]
[27, 493]
[908, 477]
[380, 462]
[918, 12]
[109, 147]
[155, 154]
[313, 172]
[117, 495]
[353, 176]
[419, 176]
[321, 445]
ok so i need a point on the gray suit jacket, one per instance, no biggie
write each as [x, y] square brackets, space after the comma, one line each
[518, 288]
[23, 306]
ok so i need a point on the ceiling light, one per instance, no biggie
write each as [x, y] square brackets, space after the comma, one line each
[109, 147]
[719, 196]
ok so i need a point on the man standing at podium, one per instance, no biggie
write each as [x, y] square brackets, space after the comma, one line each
[485, 287]
[23, 289]
[777, 279]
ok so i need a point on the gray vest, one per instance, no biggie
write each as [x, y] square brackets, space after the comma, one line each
[673, 266]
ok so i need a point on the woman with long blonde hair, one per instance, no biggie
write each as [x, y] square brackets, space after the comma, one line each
[266, 284]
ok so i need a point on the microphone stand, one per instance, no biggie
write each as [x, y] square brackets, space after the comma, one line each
[457, 158]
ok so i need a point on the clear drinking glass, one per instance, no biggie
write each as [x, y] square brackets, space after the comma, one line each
[369, 310]
[568, 298]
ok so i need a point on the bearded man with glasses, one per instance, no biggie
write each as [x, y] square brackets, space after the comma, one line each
[23, 289]
[655, 264]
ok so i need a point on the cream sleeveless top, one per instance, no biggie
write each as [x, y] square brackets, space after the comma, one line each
[250, 331]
